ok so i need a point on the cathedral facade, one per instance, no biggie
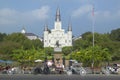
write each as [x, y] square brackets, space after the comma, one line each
[57, 37]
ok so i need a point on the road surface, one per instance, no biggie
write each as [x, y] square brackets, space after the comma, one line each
[57, 77]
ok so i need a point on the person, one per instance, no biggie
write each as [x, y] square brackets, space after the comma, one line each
[46, 69]
[7, 67]
[38, 69]
[1, 67]
[59, 68]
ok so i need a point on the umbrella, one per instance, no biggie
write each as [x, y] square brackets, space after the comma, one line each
[2, 61]
[74, 61]
[38, 60]
[9, 62]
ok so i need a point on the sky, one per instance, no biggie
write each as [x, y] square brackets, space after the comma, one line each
[34, 14]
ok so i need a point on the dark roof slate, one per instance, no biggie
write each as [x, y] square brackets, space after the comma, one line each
[30, 34]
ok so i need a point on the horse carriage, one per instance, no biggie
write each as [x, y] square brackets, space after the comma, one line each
[77, 68]
[45, 68]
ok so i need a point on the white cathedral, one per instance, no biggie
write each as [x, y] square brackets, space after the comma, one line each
[57, 37]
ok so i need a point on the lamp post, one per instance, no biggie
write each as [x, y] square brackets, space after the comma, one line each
[63, 60]
[45, 60]
[93, 25]
[70, 62]
[53, 58]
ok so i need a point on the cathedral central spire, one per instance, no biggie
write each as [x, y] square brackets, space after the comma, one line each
[58, 15]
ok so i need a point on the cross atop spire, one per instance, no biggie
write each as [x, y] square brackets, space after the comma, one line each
[58, 18]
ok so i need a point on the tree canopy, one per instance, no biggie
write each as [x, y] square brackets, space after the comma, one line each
[14, 41]
[17, 46]
[90, 54]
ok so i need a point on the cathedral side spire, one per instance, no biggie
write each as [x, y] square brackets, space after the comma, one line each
[46, 27]
[58, 18]
[70, 26]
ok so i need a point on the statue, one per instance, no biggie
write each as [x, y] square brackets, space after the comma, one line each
[57, 43]
[57, 47]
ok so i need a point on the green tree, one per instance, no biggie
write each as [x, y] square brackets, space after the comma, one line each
[49, 51]
[11, 45]
[115, 34]
[19, 38]
[92, 54]
[30, 55]
[80, 44]
[24, 41]
[114, 48]
[6, 48]
[37, 43]
[2, 35]
[84, 35]
[88, 38]
[67, 50]
[15, 37]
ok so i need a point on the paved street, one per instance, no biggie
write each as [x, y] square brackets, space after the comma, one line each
[57, 77]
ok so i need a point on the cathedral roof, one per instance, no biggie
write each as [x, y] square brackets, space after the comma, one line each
[30, 34]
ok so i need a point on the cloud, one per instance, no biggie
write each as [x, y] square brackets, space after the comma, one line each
[7, 16]
[6, 12]
[82, 11]
[101, 16]
[10, 16]
[107, 16]
[40, 14]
